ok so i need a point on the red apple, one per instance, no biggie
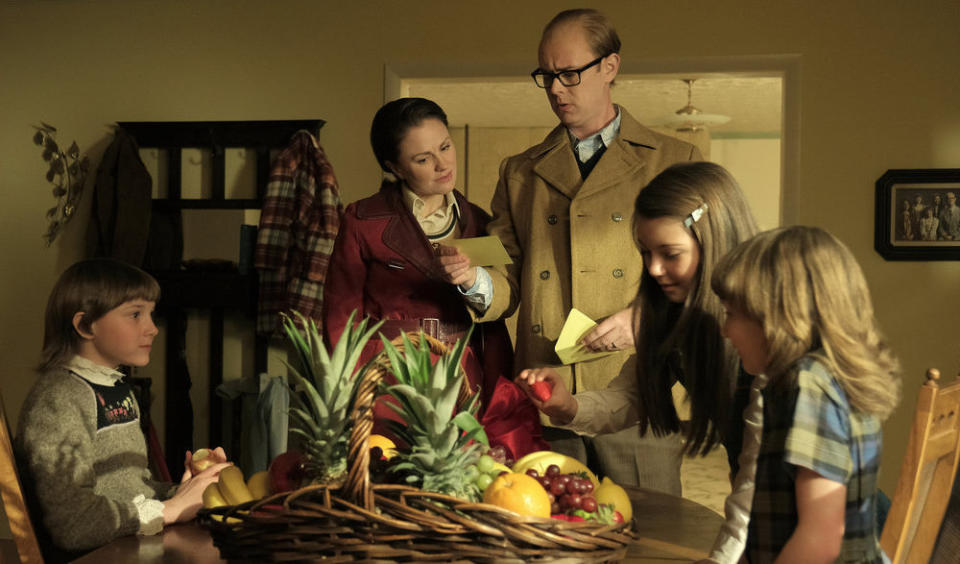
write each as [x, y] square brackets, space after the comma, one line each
[286, 471]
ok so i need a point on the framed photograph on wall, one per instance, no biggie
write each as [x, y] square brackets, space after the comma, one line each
[918, 214]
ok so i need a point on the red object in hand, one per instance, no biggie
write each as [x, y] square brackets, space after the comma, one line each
[542, 390]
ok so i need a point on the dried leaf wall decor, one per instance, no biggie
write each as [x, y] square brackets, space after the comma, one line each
[67, 171]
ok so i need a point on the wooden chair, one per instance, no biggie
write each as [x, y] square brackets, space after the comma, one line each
[13, 499]
[926, 475]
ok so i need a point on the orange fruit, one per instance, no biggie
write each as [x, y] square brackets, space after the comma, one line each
[386, 445]
[518, 493]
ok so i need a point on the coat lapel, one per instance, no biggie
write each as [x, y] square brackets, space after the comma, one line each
[405, 237]
[623, 158]
[557, 166]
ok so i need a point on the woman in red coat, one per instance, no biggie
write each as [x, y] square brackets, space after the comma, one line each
[385, 265]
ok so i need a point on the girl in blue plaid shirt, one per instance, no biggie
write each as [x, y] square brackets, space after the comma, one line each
[798, 310]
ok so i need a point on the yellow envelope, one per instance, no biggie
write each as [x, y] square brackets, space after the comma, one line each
[483, 251]
[568, 347]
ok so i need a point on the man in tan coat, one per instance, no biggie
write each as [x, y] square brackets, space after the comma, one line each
[563, 211]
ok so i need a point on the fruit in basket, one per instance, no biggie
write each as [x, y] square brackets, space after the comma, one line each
[443, 441]
[286, 471]
[543, 459]
[387, 447]
[233, 487]
[609, 493]
[259, 484]
[324, 388]
[212, 496]
[518, 493]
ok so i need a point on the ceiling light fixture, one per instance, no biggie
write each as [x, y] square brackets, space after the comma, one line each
[690, 118]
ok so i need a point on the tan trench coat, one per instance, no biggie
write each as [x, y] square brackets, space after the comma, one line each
[571, 241]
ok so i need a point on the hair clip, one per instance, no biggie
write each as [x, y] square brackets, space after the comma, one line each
[695, 215]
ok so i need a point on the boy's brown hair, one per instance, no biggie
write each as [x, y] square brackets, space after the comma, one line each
[94, 287]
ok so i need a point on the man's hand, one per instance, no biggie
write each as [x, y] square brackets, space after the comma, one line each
[456, 267]
[614, 333]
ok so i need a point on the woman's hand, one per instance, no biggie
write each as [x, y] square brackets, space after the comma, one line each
[184, 504]
[455, 267]
[562, 406]
[614, 333]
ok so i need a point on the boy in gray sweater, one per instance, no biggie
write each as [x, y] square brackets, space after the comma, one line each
[79, 441]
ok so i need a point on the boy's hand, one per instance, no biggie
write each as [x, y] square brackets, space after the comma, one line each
[184, 504]
[214, 456]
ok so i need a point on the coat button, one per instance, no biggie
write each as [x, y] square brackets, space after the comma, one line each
[616, 217]
[552, 219]
[545, 275]
[617, 273]
[535, 329]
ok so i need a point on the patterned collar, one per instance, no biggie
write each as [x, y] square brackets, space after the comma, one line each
[93, 372]
[585, 148]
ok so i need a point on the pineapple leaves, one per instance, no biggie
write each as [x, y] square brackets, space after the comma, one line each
[324, 389]
[471, 427]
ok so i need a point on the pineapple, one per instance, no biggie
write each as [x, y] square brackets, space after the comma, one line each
[323, 394]
[440, 444]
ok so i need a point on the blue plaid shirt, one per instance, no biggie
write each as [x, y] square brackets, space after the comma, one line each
[809, 423]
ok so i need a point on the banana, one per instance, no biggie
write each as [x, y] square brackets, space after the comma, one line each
[259, 484]
[212, 497]
[232, 486]
[540, 460]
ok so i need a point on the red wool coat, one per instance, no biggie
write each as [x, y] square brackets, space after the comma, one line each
[383, 266]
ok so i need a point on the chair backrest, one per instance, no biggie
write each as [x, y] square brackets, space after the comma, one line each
[13, 499]
[926, 475]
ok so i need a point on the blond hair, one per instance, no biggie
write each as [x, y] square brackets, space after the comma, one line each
[808, 292]
[686, 338]
[94, 287]
[601, 35]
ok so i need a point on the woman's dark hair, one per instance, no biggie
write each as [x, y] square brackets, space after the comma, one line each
[392, 121]
[93, 287]
[684, 340]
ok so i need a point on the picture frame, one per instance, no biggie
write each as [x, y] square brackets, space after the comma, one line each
[918, 214]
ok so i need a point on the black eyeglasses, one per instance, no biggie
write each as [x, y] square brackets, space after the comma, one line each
[544, 79]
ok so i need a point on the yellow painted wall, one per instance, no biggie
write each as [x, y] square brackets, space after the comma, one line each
[878, 84]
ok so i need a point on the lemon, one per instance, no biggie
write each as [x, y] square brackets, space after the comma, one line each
[609, 493]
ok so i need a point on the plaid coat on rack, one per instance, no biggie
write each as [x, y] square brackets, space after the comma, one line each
[298, 225]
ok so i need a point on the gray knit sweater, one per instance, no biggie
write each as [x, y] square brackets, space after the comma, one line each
[80, 443]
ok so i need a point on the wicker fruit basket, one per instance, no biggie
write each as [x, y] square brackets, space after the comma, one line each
[362, 521]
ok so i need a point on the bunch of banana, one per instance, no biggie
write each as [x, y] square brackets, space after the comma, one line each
[542, 459]
[232, 490]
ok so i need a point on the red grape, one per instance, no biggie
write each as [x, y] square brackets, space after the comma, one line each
[575, 501]
[573, 487]
[532, 472]
[545, 482]
[587, 486]
[552, 471]
[588, 503]
[557, 488]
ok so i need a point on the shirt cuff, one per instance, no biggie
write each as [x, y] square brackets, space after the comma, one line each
[150, 512]
[480, 296]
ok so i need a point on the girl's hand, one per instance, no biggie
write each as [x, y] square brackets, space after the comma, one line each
[184, 504]
[562, 406]
[455, 267]
[614, 333]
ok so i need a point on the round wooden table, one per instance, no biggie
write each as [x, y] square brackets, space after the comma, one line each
[668, 528]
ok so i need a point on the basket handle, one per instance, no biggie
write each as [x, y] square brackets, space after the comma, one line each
[356, 487]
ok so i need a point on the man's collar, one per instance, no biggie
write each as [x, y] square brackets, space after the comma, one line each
[607, 134]
[93, 372]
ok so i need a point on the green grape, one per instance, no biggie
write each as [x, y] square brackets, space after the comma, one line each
[484, 480]
[485, 464]
[471, 473]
